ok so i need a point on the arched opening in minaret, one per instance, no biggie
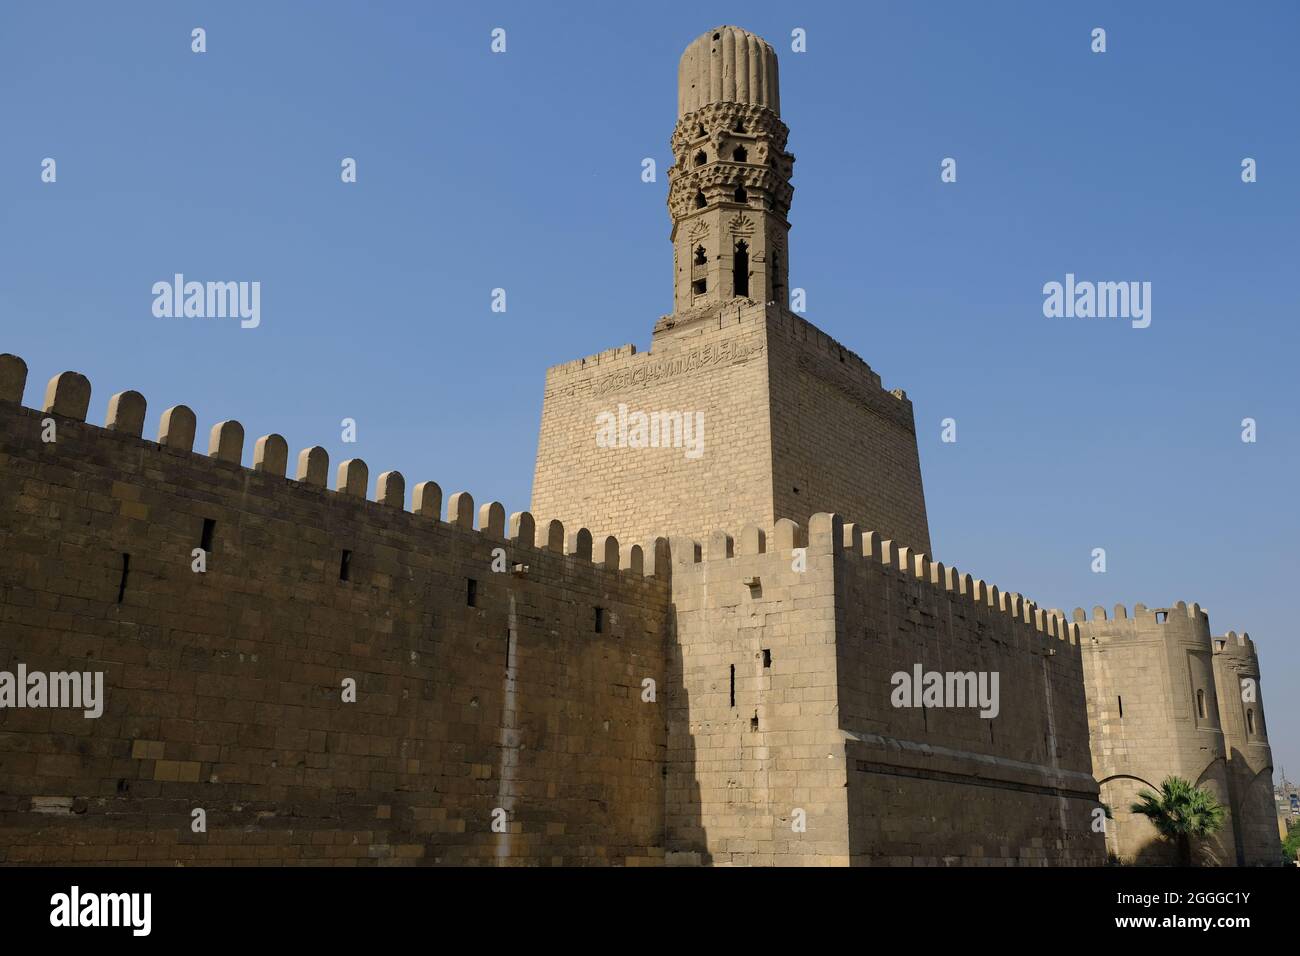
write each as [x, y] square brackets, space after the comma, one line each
[700, 259]
[741, 195]
[740, 126]
[701, 131]
[699, 200]
[740, 269]
[739, 154]
[701, 158]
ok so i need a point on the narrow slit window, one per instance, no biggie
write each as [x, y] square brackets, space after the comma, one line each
[1121, 707]
[1250, 721]
[209, 529]
[471, 592]
[740, 269]
[345, 566]
[126, 569]
[733, 685]
[1200, 704]
[600, 620]
[767, 657]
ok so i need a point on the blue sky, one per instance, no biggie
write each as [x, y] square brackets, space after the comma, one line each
[522, 171]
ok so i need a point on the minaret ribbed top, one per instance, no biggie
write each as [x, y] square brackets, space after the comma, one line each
[728, 65]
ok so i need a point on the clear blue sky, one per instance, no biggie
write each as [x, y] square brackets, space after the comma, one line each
[522, 171]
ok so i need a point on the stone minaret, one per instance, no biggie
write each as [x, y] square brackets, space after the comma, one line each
[729, 192]
[791, 422]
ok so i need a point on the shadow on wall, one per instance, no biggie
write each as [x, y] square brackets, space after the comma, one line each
[1254, 813]
[1132, 839]
[685, 842]
[1159, 852]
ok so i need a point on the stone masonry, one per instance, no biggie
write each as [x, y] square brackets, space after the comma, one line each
[688, 657]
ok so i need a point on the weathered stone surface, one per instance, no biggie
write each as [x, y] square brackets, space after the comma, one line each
[351, 683]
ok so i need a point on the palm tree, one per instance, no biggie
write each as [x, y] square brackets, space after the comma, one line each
[1181, 812]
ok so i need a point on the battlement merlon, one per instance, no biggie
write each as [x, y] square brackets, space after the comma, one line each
[67, 397]
[1236, 645]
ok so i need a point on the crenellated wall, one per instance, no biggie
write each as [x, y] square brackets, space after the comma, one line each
[224, 689]
[1154, 709]
[328, 675]
[1011, 789]
[753, 738]
[723, 702]
[785, 713]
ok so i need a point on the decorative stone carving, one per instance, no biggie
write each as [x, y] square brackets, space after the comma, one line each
[740, 225]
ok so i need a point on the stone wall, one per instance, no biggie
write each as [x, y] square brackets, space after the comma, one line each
[718, 371]
[842, 443]
[712, 700]
[785, 711]
[1250, 759]
[1154, 712]
[753, 737]
[1012, 789]
[224, 689]
[794, 424]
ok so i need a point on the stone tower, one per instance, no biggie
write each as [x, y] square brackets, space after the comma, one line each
[1250, 759]
[729, 192]
[1165, 698]
[787, 422]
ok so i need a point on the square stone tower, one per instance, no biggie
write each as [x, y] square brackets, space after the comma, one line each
[742, 411]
